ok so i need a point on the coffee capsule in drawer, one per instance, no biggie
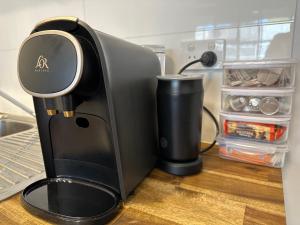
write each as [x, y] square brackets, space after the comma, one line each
[257, 101]
[260, 74]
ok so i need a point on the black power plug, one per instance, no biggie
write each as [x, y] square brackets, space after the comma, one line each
[208, 59]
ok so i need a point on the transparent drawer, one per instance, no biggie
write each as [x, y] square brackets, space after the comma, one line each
[255, 153]
[266, 74]
[259, 129]
[257, 101]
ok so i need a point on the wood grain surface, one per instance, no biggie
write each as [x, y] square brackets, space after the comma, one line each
[226, 192]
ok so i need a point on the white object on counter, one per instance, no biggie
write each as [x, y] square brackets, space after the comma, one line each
[161, 54]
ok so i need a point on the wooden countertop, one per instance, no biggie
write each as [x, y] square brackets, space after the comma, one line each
[226, 192]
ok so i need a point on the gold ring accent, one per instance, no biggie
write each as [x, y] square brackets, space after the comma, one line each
[51, 112]
[68, 114]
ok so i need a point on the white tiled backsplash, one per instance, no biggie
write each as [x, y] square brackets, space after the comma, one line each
[252, 30]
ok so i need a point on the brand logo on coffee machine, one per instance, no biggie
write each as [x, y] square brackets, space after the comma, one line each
[41, 64]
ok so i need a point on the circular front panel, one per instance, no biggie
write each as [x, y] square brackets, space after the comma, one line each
[50, 63]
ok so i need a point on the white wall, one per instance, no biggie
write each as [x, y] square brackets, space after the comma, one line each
[252, 29]
[247, 26]
[291, 173]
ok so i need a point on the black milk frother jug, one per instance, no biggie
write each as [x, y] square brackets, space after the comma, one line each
[179, 107]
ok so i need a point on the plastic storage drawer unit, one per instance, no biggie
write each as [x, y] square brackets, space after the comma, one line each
[264, 74]
[255, 153]
[257, 101]
[259, 129]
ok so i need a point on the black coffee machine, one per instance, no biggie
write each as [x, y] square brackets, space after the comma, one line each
[94, 98]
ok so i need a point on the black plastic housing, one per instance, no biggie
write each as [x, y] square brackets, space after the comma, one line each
[112, 139]
[179, 106]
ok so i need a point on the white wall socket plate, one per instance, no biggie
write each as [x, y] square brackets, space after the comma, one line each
[192, 50]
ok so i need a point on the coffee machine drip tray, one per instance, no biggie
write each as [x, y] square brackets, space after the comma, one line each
[68, 201]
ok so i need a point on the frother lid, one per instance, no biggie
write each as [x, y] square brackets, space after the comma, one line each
[50, 63]
[180, 77]
[67, 200]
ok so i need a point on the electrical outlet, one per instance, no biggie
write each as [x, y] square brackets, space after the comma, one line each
[192, 50]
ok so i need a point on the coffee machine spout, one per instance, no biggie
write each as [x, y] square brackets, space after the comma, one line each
[68, 105]
[50, 106]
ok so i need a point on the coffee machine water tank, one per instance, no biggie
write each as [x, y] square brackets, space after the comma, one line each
[94, 98]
